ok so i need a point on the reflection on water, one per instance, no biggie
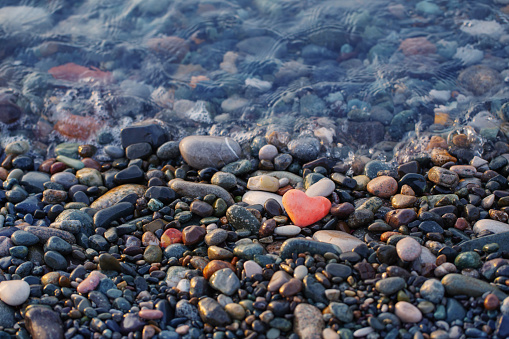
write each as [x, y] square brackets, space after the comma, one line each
[358, 75]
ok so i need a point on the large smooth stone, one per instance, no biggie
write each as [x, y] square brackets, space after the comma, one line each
[43, 323]
[301, 245]
[116, 194]
[500, 238]
[457, 284]
[343, 240]
[490, 225]
[14, 292]
[208, 151]
[192, 189]
[305, 210]
[260, 197]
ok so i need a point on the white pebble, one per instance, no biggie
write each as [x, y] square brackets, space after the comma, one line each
[267, 152]
[14, 292]
[362, 332]
[284, 182]
[288, 230]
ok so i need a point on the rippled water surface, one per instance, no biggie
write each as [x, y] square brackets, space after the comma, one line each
[358, 75]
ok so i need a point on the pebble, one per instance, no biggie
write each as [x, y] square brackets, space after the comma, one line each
[407, 312]
[443, 177]
[304, 210]
[207, 151]
[432, 290]
[408, 249]
[383, 186]
[322, 188]
[263, 183]
[287, 231]
[191, 189]
[212, 313]
[14, 292]
[260, 198]
[343, 240]
[308, 322]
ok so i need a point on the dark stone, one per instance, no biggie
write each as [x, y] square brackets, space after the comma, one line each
[104, 217]
[146, 131]
[431, 227]
[43, 323]
[131, 174]
[140, 150]
[300, 245]
[164, 194]
[416, 181]
[212, 313]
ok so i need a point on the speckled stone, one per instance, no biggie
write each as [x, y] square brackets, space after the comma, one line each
[116, 194]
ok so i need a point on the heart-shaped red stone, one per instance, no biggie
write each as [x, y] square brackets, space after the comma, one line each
[304, 210]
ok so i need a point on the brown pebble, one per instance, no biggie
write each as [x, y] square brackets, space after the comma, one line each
[216, 265]
[440, 157]
[461, 224]
[407, 190]
[491, 302]
[64, 281]
[460, 140]
[342, 210]
[436, 142]
[383, 187]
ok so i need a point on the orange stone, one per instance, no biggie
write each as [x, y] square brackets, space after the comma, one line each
[77, 126]
[491, 302]
[441, 118]
[414, 46]
[171, 236]
[74, 72]
[440, 157]
[304, 210]
[436, 142]
[172, 46]
[214, 266]
[383, 186]
[386, 235]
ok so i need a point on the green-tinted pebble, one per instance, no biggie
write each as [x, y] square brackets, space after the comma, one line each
[74, 163]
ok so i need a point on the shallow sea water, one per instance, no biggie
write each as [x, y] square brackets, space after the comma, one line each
[359, 75]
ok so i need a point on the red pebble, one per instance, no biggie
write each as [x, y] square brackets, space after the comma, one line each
[57, 167]
[90, 282]
[171, 236]
[304, 210]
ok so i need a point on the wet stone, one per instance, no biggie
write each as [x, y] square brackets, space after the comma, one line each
[225, 281]
[240, 218]
[443, 177]
[389, 286]
[212, 313]
[207, 151]
[42, 322]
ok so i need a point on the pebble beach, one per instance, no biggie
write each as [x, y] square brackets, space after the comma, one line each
[268, 247]
[254, 169]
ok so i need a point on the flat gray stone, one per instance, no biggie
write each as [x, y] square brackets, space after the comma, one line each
[192, 189]
[207, 151]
